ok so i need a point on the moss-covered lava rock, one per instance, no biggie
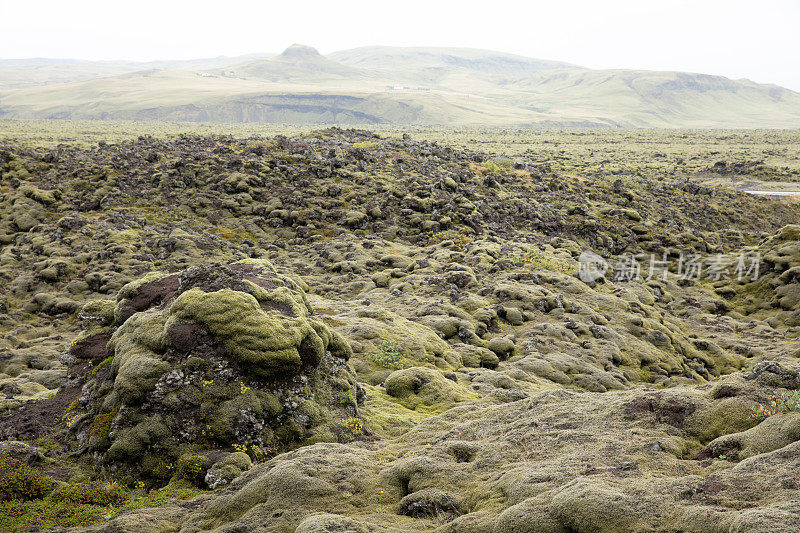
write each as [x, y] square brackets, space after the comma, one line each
[213, 358]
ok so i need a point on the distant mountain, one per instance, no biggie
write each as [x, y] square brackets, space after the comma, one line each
[387, 85]
[383, 57]
[20, 73]
[638, 98]
[297, 63]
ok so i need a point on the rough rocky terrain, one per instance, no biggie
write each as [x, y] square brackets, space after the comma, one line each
[343, 332]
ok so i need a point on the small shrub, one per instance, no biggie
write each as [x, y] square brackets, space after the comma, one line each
[346, 398]
[92, 493]
[354, 424]
[192, 468]
[389, 355]
[18, 481]
[782, 403]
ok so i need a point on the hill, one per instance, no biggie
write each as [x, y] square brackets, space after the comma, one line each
[298, 63]
[20, 73]
[403, 86]
[432, 66]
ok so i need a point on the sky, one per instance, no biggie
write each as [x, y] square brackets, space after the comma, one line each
[758, 40]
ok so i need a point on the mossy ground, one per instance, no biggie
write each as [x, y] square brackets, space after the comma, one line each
[479, 385]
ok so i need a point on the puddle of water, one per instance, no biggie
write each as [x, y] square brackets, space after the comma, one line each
[775, 193]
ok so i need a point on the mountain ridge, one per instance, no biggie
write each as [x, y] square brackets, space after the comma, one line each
[379, 84]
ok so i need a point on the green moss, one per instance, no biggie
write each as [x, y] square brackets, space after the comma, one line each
[728, 415]
[226, 416]
[131, 443]
[99, 311]
[40, 195]
[157, 467]
[267, 342]
[280, 297]
[240, 460]
[591, 506]
[227, 469]
[290, 431]
[129, 290]
[136, 362]
[417, 386]
[101, 425]
[137, 377]
[127, 235]
[96, 368]
[141, 335]
[365, 144]
[773, 433]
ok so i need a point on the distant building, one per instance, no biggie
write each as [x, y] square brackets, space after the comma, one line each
[407, 88]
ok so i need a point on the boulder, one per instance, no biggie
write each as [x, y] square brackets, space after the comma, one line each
[217, 357]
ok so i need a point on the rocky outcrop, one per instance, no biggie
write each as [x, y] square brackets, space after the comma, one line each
[214, 358]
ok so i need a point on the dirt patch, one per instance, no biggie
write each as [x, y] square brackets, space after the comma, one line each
[91, 348]
[37, 419]
[150, 295]
[668, 410]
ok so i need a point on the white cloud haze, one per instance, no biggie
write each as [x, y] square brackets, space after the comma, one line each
[735, 38]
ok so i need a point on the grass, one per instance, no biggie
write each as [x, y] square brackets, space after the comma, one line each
[83, 505]
[540, 261]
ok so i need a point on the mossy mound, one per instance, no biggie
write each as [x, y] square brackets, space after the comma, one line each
[773, 290]
[418, 386]
[213, 358]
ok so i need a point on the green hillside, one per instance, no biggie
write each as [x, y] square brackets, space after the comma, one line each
[403, 86]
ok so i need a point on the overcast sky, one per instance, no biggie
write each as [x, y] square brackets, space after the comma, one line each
[759, 40]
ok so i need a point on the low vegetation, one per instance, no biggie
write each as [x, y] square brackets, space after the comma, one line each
[346, 330]
[786, 402]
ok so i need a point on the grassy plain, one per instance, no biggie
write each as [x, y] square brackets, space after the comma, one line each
[750, 156]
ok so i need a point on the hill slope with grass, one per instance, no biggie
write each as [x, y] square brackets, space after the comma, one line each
[403, 86]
